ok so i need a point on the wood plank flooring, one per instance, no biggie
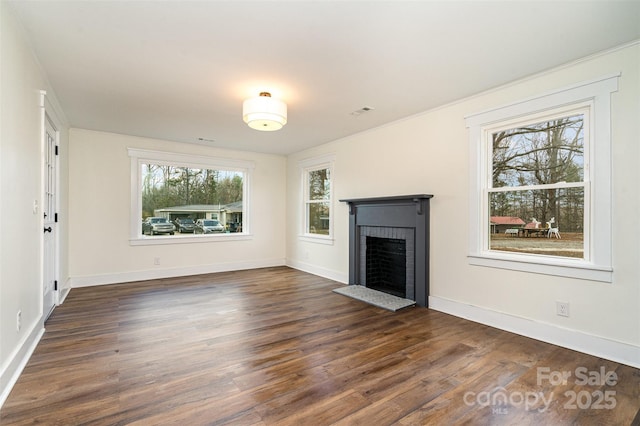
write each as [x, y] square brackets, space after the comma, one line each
[276, 346]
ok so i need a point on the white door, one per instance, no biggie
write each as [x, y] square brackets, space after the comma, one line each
[50, 218]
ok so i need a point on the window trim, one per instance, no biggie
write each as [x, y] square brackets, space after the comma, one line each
[307, 166]
[598, 265]
[138, 157]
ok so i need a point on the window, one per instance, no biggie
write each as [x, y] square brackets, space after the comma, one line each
[317, 188]
[537, 185]
[183, 198]
[540, 176]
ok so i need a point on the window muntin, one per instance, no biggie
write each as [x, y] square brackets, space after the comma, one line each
[537, 176]
[182, 186]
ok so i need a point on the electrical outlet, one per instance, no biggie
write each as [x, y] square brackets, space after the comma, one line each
[19, 320]
[156, 260]
[562, 309]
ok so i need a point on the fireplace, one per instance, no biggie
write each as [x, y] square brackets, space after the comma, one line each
[389, 245]
[386, 260]
[386, 265]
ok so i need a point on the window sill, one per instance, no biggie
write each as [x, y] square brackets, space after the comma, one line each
[547, 266]
[162, 239]
[317, 239]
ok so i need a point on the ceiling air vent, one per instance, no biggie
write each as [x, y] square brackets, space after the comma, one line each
[362, 110]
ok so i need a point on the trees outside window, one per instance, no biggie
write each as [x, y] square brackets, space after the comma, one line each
[166, 186]
[318, 201]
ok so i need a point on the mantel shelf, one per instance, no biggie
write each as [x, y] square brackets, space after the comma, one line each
[386, 199]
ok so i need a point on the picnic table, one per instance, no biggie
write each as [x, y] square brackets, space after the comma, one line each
[529, 231]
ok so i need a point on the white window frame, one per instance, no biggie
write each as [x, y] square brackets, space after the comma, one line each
[595, 95]
[307, 166]
[138, 157]
[584, 109]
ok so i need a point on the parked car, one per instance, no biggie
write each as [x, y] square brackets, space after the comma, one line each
[157, 225]
[208, 226]
[185, 225]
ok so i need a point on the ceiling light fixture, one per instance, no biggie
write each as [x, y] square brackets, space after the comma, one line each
[264, 113]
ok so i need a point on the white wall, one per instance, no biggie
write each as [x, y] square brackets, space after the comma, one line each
[429, 153]
[21, 80]
[99, 249]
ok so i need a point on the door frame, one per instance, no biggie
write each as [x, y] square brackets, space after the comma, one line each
[48, 115]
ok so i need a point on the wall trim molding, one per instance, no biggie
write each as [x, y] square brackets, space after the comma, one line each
[124, 277]
[64, 292]
[18, 359]
[317, 270]
[624, 353]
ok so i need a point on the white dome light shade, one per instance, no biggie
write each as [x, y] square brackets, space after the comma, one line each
[264, 113]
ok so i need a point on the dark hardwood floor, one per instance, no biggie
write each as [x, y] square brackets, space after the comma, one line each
[276, 346]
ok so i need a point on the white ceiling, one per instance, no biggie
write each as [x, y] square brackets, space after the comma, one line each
[179, 70]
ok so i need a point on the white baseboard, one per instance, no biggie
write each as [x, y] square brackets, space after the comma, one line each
[18, 360]
[572, 339]
[316, 270]
[151, 274]
[63, 291]
[63, 295]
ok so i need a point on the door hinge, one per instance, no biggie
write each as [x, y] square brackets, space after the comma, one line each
[55, 285]
[56, 149]
[55, 217]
